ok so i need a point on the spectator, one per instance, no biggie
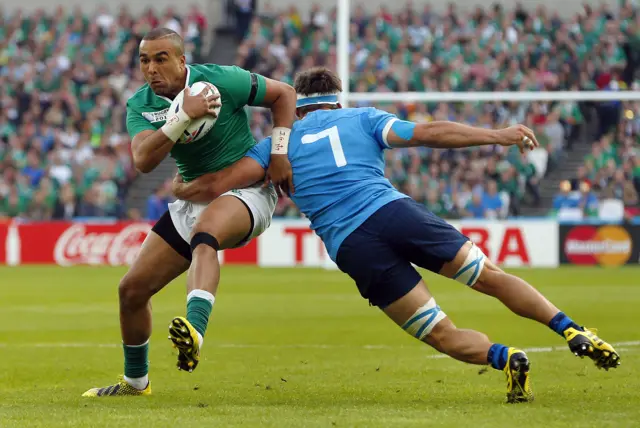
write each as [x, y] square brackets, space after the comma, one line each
[565, 199]
[43, 202]
[33, 170]
[581, 177]
[14, 204]
[621, 188]
[66, 206]
[588, 201]
[476, 208]
[58, 170]
[435, 203]
[157, 203]
[492, 201]
[510, 186]
[90, 204]
[244, 11]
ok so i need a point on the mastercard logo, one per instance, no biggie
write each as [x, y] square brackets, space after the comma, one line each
[605, 245]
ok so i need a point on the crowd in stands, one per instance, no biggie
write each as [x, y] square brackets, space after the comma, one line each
[64, 78]
[608, 183]
[487, 49]
[64, 81]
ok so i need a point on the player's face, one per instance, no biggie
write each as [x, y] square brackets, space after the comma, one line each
[162, 66]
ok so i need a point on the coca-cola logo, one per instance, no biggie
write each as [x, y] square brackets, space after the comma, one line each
[79, 245]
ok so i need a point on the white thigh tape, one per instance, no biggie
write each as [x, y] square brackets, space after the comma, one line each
[472, 267]
[424, 319]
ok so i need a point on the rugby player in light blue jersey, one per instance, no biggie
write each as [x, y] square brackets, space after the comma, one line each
[374, 233]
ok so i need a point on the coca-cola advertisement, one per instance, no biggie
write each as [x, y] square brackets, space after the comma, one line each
[100, 244]
[68, 244]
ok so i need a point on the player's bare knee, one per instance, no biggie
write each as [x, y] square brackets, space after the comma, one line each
[425, 320]
[133, 293]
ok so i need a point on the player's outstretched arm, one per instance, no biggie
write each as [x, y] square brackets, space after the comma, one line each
[207, 187]
[452, 135]
[149, 146]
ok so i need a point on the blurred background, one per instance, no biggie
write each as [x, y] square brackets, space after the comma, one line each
[67, 69]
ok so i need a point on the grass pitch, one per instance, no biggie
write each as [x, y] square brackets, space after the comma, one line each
[299, 347]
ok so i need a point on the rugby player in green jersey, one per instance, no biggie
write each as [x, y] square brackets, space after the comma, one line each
[189, 235]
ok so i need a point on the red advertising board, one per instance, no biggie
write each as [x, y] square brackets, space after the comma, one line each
[4, 228]
[68, 244]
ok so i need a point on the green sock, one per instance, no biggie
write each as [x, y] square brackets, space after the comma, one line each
[199, 306]
[136, 360]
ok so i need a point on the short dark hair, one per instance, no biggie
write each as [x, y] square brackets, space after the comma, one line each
[317, 80]
[163, 32]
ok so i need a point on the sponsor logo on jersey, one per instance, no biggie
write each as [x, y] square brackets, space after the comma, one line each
[156, 116]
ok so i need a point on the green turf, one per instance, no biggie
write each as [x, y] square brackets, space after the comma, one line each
[298, 347]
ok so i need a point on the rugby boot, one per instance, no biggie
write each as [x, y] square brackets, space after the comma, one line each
[585, 343]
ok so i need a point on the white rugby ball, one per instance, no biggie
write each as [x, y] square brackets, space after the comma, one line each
[198, 128]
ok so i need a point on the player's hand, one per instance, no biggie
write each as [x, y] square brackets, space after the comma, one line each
[199, 105]
[179, 188]
[280, 174]
[518, 135]
[198, 190]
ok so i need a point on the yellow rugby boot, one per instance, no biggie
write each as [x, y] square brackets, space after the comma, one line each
[518, 382]
[120, 388]
[585, 343]
[185, 339]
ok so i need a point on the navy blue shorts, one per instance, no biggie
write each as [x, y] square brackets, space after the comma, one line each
[378, 254]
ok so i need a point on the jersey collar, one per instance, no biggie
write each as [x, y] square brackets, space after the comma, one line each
[186, 85]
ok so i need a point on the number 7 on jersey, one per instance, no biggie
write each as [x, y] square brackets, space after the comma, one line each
[334, 141]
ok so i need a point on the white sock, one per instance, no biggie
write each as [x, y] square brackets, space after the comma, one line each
[200, 340]
[138, 382]
[202, 294]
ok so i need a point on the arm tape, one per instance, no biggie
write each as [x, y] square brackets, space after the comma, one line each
[403, 129]
[280, 140]
[176, 125]
[254, 89]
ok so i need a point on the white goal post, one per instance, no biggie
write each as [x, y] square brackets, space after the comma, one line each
[347, 97]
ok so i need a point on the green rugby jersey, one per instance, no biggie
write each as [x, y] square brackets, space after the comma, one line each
[229, 139]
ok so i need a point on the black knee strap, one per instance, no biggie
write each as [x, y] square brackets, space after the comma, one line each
[204, 238]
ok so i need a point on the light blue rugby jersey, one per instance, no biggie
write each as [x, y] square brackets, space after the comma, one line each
[337, 158]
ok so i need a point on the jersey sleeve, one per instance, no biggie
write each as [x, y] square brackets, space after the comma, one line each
[136, 123]
[379, 123]
[245, 88]
[261, 153]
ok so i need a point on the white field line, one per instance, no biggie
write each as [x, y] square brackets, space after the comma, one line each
[536, 350]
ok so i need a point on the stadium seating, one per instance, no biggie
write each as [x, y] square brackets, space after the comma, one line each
[64, 150]
[64, 79]
[611, 169]
[487, 50]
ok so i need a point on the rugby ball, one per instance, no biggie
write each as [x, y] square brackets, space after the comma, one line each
[198, 128]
